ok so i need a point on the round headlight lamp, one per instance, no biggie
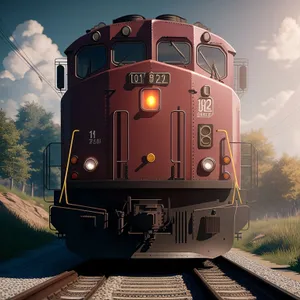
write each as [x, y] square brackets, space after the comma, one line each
[96, 36]
[208, 164]
[206, 37]
[90, 164]
[126, 30]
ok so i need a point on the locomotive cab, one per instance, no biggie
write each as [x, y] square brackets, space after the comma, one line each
[95, 53]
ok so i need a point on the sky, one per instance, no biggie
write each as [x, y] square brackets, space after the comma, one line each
[266, 32]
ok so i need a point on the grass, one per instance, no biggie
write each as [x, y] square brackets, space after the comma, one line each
[18, 236]
[280, 243]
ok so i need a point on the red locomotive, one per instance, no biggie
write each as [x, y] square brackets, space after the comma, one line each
[148, 121]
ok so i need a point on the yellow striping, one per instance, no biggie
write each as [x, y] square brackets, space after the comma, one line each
[64, 188]
[236, 184]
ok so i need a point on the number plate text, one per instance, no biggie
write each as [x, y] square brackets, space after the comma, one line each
[158, 78]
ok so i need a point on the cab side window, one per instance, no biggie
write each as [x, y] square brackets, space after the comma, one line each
[90, 59]
[213, 60]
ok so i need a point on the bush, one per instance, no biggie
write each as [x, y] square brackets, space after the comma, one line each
[280, 242]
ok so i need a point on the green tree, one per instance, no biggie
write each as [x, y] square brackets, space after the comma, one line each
[14, 158]
[37, 130]
[282, 183]
[266, 152]
[290, 167]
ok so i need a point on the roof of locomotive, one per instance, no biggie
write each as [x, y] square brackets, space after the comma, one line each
[138, 19]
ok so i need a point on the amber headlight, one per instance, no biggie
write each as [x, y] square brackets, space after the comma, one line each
[90, 164]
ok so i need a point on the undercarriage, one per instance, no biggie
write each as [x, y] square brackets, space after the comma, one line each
[150, 227]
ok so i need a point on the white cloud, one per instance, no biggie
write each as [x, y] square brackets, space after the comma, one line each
[11, 106]
[279, 117]
[261, 47]
[30, 97]
[280, 99]
[18, 82]
[275, 106]
[286, 43]
[7, 74]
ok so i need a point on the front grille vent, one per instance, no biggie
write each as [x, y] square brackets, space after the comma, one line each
[181, 227]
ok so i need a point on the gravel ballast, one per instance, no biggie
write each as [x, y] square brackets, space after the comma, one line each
[273, 276]
[20, 274]
[34, 267]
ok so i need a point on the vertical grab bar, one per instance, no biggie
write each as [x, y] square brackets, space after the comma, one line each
[184, 140]
[114, 135]
[236, 184]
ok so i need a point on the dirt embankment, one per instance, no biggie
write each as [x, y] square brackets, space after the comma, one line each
[33, 215]
[24, 226]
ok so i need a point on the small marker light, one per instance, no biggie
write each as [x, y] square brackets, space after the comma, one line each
[226, 160]
[226, 175]
[150, 158]
[74, 159]
[205, 91]
[74, 175]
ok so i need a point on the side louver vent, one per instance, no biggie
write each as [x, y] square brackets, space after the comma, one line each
[212, 225]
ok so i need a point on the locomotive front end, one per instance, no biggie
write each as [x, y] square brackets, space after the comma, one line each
[146, 128]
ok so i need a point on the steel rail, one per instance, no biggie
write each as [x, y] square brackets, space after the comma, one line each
[68, 285]
[47, 287]
[225, 279]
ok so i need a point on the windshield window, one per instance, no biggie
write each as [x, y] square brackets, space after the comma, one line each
[90, 59]
[128, 53]
[212, 60]
[171, 52]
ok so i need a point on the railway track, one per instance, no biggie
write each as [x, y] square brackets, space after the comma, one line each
[66, 286]
[226, 280]
[217, 279]
[160, 287]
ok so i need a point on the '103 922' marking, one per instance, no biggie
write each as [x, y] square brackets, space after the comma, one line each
[93, 140]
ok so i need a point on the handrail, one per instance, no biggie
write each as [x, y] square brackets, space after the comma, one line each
[64, 188]
[47, 170]
[184, 139]
[254, 178]
[236, 184]
[113, 141]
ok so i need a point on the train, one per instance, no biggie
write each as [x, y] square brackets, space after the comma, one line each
[150, 142]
